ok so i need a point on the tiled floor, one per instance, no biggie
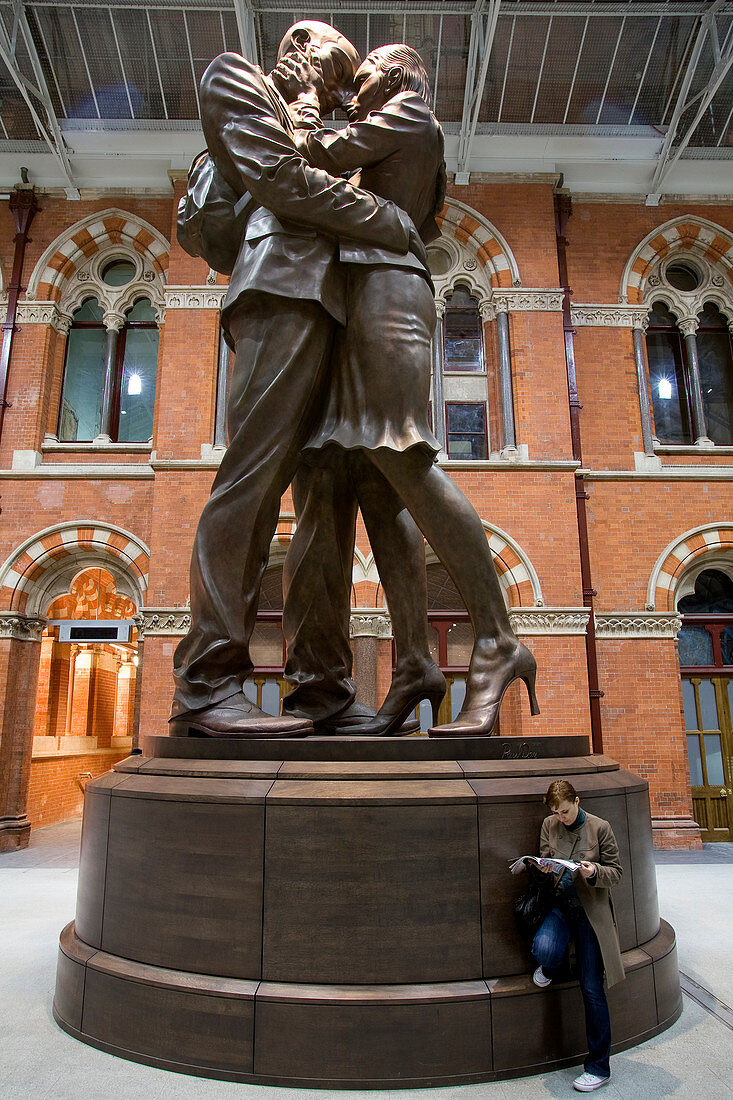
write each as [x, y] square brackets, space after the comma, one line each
[693, 1060]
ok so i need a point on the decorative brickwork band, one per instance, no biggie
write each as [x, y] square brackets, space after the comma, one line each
[43, 313]
[709, 541]
[22, 574]
[20, 628]
[647, 624]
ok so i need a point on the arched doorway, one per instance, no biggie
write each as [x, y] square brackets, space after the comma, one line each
[706, 664]
[86, 683]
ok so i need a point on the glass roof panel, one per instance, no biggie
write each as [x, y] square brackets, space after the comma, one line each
[136, 46]
[452, 71]
[103, 60]
[528, 48]
[593, 70]
[174, 62]
[62, 41]
[563, 47]
[204, 28]
[655, 87]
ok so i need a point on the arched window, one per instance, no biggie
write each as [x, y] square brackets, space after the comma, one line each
[706, 659]
[716, 374]
[462, 384]
[668, 377]
[110, 375]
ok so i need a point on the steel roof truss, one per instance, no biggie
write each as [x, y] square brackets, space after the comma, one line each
[669, 155]
[484, 19]
[49, 130]
[245, 13]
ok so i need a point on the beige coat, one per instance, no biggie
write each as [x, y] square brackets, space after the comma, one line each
[594, 842]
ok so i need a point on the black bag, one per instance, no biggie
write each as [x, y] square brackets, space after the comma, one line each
[211, 217]
[533, 905]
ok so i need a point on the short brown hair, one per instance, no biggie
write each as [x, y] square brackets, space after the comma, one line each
[559, 791]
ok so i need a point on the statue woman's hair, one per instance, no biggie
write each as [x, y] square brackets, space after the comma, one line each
[414, 77]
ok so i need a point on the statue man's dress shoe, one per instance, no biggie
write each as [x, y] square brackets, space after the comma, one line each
[237, 716]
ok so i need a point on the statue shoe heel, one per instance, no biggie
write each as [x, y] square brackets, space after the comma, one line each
[479, 721]
[529, 682]
[388, 723]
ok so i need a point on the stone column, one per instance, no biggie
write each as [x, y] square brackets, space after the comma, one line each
[113, 322]
[367, 627]
[124, 707]
[438, 399]
[647, 435]
[505, 381]
[688, 328]
[20, 652]
[80, 723]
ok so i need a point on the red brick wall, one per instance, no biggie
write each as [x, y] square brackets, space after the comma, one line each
[54, 793]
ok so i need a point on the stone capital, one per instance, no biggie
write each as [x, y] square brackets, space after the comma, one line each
[21, 628]
[370, 623]
[637, 624]
[168, 621]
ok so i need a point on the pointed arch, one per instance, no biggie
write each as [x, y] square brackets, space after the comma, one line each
[688, 234]
[43, 566]
[518, 578]
[704, 546]
[90, 241]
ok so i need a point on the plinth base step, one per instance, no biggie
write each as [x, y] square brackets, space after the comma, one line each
[350, 1036]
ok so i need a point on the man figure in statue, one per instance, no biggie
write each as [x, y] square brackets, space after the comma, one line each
[379, 389]
[284, 301]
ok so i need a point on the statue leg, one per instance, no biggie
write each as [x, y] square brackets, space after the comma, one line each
[282, 351]
[399, 552]
[455, 532]
[317, 590]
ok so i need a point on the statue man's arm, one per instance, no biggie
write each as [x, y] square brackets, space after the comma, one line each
[254, 153]
[360, 144]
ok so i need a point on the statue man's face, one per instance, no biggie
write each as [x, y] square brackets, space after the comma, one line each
[330, 54]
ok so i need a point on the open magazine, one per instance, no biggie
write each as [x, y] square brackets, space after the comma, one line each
[557, 865]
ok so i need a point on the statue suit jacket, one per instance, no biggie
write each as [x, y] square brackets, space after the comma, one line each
[249, 134]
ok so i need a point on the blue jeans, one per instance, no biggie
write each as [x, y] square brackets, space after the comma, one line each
[549, 947]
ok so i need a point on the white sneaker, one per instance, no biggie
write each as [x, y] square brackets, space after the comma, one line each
[540, 978]
[588, 1082]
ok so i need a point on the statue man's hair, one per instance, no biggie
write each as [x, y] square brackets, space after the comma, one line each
[414, 77]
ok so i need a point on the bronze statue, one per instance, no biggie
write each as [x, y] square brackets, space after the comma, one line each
[284, 301]
[362, 427]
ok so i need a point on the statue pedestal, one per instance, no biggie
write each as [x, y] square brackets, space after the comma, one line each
[342, 921]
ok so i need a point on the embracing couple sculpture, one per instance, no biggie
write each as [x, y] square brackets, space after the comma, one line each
[330, 313]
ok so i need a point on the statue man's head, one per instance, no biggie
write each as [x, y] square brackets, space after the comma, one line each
[383, 74]
[330, 54]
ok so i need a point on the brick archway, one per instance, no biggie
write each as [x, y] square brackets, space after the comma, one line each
[25, 574]
[481, 241]
[689, 234]
[517, 576]
[677, 559]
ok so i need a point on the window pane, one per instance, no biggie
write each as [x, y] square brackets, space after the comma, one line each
[716, 382]
[271, 697]
[266, 647]
[433, 644]
[713, 760]
[695, 646]
[693, 758]
[137, 399]
[81, 403]
[466, 426]
[460, 644]
[669, 399]
[463, 340]
[726, 645]
[688, 701]
[708, 706]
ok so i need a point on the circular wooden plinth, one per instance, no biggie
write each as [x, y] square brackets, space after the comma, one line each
[341, 924]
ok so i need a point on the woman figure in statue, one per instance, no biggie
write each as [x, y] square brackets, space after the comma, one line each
[584, 913]
[380, 381]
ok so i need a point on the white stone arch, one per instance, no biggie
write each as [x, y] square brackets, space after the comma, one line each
[70, 270]
[706, 244]
[519, 580]
[675, 571]
[478, 255]
[42, 567]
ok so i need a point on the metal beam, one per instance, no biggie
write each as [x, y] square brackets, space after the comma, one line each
[245, 13]
[668, 156]
[480, 45]
[50, 130]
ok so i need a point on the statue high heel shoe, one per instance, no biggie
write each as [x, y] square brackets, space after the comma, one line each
[486, 689]
[401, 702]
